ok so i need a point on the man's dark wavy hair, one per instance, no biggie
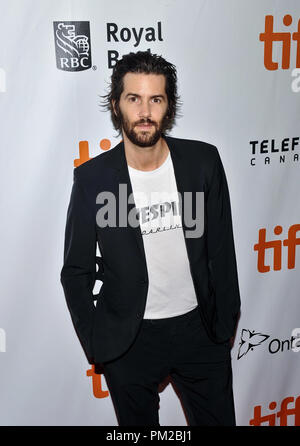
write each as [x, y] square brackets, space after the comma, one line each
[142, 62]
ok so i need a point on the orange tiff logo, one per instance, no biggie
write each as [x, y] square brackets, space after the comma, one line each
[84, 154]
[269, 37]
[98, 392]
[289, 408]
[276, 246]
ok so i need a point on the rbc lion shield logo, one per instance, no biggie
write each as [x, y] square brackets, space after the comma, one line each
[72, 45]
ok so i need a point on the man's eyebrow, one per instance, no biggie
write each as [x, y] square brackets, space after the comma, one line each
[153, 96]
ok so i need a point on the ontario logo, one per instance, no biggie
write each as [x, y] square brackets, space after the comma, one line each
[72, 45]
[250, 340]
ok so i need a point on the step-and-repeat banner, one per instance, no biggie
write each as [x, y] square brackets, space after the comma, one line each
[238, 68]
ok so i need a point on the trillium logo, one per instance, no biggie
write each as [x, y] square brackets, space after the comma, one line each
[249, 340]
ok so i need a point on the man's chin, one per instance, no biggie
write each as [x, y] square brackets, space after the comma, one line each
[144, 142]
[145, 139]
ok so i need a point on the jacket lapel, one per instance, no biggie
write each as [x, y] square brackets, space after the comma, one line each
[185, 183]
[117, 161]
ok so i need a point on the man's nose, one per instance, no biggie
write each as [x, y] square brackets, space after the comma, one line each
[145, 110]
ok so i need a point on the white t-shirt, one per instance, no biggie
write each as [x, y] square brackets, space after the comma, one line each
[171, 291]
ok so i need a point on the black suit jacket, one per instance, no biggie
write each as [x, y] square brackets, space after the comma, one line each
[108, 329]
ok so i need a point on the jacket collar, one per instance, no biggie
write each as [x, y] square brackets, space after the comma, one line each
[117, 159]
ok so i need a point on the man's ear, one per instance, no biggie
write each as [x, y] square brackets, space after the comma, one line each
[113, 103]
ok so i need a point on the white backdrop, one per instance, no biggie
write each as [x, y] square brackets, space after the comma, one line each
[230, 98]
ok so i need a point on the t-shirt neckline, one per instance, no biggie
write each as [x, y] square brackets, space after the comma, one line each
[151, 172]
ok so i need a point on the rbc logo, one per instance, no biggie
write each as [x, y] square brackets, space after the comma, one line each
[72, 45]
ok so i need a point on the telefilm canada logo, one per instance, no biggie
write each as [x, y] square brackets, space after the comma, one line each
[272, 150]
[252, 340]
[72, 45]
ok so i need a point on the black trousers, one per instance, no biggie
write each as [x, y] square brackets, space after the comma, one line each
[180, 348]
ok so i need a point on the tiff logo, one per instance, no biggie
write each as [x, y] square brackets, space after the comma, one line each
[2, 340]
[283, 414]
[2, 81]
[269, 37]
[276, 245]
[84, 151]
[98, 391]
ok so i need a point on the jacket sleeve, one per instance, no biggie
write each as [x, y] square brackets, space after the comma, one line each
[78, 273]
[221, 252]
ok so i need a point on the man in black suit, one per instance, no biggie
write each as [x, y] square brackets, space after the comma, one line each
[159, 209]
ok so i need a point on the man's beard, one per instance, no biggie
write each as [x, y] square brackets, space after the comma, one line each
[144, 138]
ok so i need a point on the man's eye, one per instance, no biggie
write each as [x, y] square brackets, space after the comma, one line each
[132, 99]
[158, 100]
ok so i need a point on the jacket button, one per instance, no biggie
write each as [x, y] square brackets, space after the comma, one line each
[139, 315]
[144, 281]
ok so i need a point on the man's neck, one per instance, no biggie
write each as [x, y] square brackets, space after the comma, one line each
[146, 158]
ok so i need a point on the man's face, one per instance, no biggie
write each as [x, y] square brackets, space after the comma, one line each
[143, 107]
